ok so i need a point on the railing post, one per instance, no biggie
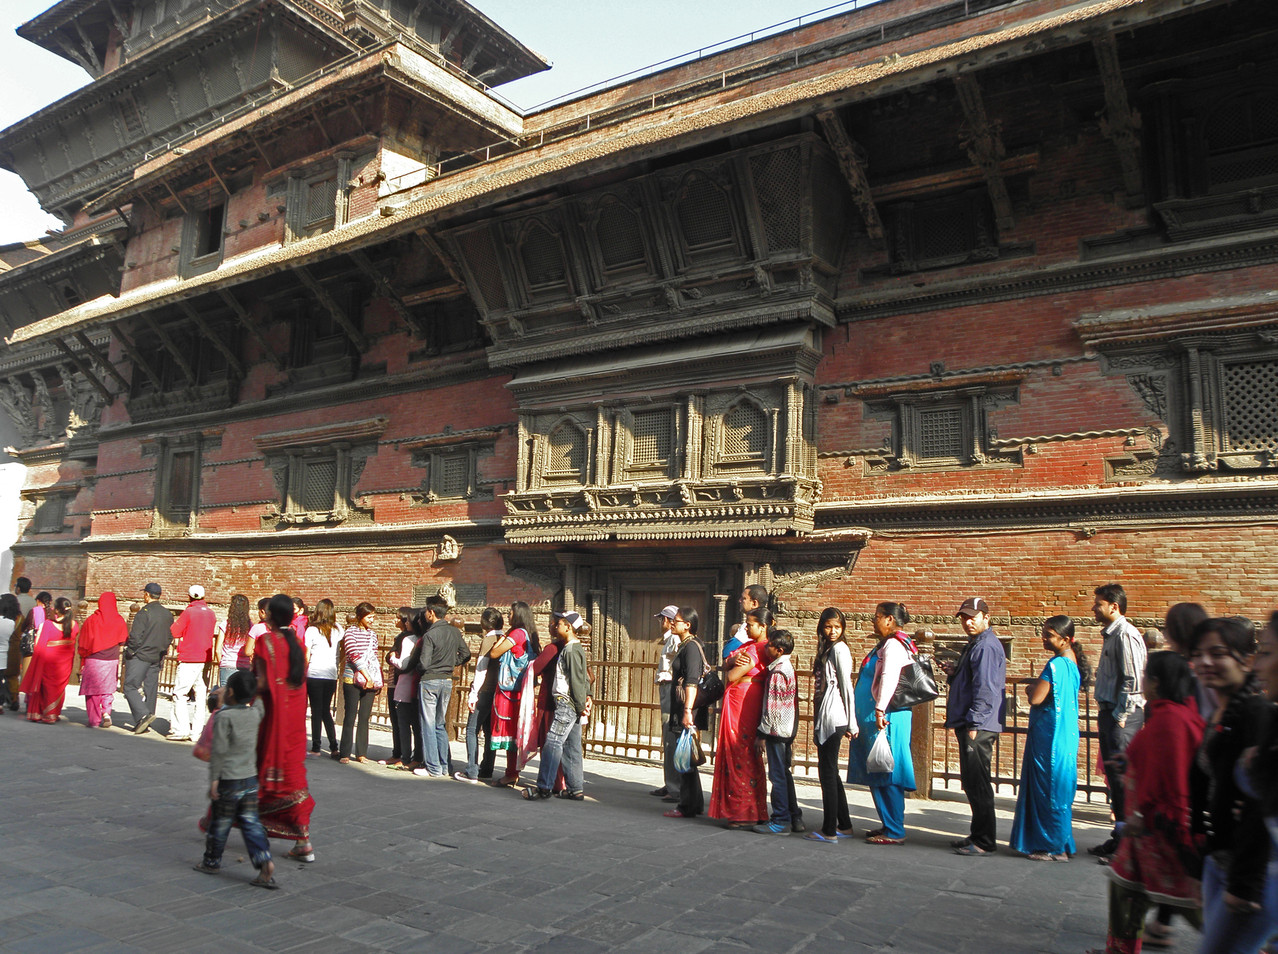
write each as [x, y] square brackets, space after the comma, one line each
[921, 734]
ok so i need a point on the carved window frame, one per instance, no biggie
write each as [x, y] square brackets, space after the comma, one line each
[197, 230]
[906, 220]
[1207, 413]
[289, 455]
[433, 454]
[164, 518]
[732, 248]
[908, 410]
[719, 462]
[591, 211]
[625, 465]
[539, 474]
[49, 512]
[518, 234]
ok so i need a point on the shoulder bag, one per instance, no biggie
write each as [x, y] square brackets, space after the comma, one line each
[709, 686]
[917, 684]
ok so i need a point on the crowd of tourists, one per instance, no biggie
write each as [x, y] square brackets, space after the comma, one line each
[1187, 742]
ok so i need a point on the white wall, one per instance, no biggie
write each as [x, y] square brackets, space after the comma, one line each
[12, 476]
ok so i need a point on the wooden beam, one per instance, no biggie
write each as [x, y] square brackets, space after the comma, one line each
[329, 304]
[445, 259]
[246, 322]
[174, 351]
[224, 186]
[1120, 124]
[70, 50]
[328, 140]
[383, 285]
[121, 21]
[232, 359]
[181, 204]
[434, 293]
[985, 148]
[135, 355]
[847, 153]
[85, 370]
[1017, 164]
[95, 354]
[89, 49]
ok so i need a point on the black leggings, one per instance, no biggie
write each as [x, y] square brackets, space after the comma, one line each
[408, 718]
[320, 693]
[834, 797]
[356, 701]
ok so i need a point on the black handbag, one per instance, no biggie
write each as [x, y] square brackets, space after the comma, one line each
[917, 684]
[709, 686]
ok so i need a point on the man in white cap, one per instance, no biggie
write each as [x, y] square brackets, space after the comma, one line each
[193, 633]
[669, 646]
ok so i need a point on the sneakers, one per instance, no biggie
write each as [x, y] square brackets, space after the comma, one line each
[797, 826]
[173, 737]
[144, 723]
[771, 828]
[463, 777]
[427, 773]
[660, 792]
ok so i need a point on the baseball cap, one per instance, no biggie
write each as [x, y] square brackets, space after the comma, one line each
[152, 588]
[669, 612]
[574, 619]
[973, 605]
[196, 591]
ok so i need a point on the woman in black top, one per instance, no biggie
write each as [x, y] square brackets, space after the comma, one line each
[685, 671]
[1237, 844]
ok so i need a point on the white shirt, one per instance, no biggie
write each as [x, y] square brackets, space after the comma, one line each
[323, 652]
[669, 646]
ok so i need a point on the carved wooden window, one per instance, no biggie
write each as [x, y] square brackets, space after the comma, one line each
[177, 484]
[941, 433]
[1240, 141]
[319, 210]
[941, 429]
[202, 234]
[703, 212]
[451, 475]
[620, 236]
[566, 454]
[652, 442]
[50, 514]
[316, 484]
[320, 348]
[479, 256]
[1250, 406]
[745, 432]
[316, 471]
[941, 232]
[541, 258]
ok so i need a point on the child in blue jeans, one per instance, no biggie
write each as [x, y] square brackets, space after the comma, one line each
[778, 725]
[233, 780]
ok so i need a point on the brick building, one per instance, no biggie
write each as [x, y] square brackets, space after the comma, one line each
[925, 299]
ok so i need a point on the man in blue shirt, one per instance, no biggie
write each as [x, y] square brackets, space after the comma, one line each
[974, 711]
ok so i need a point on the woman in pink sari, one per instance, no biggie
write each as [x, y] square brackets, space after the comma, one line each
[100, 640]
[740, 792]
[284, 800]
[45, 682]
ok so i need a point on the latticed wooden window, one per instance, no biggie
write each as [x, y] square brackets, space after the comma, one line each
[652, 436]
[543, 259]
[745, 431]
[317, 486]
[321, 205]
[776, 183]
[704, 215]
[1251, 406]
[620, 237]
[1241, 140]
[454, 475]
[50, 514]
[940, 434]
[481, 257]
[566, 452]
[181, 473]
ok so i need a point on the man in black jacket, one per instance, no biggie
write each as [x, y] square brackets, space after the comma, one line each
[149, 639]
[438, 653]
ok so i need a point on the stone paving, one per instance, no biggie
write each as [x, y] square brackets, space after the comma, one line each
[98, 835]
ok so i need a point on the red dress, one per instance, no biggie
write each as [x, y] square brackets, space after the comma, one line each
[505, 719]
[284, 801]
[740, 790]
[49, 672]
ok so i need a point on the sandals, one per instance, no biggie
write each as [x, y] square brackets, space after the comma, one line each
[883, 840]
[304, 856]
[202, 868]
[571, 796]
[535, 794]
[270, 884]
[1048, 856]
[506, 782]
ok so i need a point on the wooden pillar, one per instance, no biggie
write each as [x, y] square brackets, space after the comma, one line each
[922, 735]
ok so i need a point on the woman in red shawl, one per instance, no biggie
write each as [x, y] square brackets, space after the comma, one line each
[523, 645]
[100, 639]
[45, 682]
[284, 801]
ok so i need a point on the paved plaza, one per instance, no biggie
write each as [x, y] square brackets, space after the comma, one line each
[98, 835]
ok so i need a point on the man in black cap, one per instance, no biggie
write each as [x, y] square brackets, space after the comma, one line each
[974, 711]
[149, 639]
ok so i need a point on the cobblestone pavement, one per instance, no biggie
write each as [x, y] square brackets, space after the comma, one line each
[98, 835]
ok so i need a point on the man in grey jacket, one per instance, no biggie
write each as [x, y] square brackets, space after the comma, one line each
[149, 639]
[441, 650]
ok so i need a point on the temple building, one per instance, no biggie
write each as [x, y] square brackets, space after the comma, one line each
[923, 300]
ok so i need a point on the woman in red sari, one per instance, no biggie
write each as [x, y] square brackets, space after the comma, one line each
[536, 710]
[45, 682]
[284, 801]
[522, 643]
[740, 793]
[100, 639]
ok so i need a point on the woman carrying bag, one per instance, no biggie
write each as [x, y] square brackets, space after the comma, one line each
[875, 685]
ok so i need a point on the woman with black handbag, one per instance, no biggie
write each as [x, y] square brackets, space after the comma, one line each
[686, 670]
[875, 685]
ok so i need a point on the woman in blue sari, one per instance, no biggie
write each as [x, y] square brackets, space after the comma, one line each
[875, 684]
[1043, 828]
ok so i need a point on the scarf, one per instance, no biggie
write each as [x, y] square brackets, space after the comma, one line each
[104, 628]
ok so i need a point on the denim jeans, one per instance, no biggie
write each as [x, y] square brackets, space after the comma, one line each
[1113, 739]
[479, 764]
[236, 801]
[781, 779]
[434, 702]
[562, 747]
[1225, 932]
[140, 674]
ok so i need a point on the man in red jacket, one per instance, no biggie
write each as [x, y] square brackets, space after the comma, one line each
[193, 636]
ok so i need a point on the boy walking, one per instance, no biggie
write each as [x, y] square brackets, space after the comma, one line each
[778, 725]
[233, 780]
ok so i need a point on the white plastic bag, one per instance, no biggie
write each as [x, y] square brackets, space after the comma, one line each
[683, 753]
[880, 757]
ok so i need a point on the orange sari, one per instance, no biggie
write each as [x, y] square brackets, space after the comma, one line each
[284, 800]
